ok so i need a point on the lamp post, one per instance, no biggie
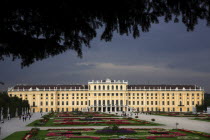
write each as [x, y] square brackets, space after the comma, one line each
[176, 125]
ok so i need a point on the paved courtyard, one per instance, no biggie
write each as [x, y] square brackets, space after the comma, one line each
[170, 122]
[13, 125]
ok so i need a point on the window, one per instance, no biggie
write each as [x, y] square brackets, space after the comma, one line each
[112, 87]
[94, 87]
[46, 103]
[155, 102]
[72, 102]
[52, 103]
[103, 87]
[187, 94]
[107, 94]
[58, 103]
[193, 94]
[58, 94]
[99, 94]
[81, 102]
[172, 102]
[103, 94]
[33, 103]
[167, 94]
[94, 94]
[99, 87]
[133, 102]
[180, 94]
[41, 103]
[168, 103]
[62, 102]
[121, 94]
[162, 94]
[121, 88]
[77, 102]
[197, 94]
[163, 103]
[67, 94]
[116, 87]
[46, 94]
[112, 94]
[188, 103]
[116, 94]
[151, 102]
[73, 94]
[107, 87]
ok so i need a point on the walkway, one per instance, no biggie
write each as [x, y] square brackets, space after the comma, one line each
[13, 125]
[170, 122]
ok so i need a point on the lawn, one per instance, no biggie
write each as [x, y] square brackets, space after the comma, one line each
[58, 122]
[202, 119]
[113, 133]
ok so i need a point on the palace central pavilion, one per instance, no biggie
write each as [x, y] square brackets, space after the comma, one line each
[109, 96]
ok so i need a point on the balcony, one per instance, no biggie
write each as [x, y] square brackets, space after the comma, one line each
[180, 105]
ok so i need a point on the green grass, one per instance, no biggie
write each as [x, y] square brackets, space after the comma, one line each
[16, 135]
[199, 119]
[52, 124]
[142, 134]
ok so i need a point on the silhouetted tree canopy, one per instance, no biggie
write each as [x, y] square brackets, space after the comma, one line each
[50, 28]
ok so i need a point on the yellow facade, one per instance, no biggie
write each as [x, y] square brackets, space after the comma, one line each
[110, 95]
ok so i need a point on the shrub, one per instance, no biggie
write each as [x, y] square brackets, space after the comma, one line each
[153, 119]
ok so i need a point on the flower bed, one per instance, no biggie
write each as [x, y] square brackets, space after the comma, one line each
[196, 132]
[31, 133]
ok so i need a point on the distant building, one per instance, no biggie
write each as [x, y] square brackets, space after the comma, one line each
[109, 95]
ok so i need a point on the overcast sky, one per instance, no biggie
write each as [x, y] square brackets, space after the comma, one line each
[168, 54]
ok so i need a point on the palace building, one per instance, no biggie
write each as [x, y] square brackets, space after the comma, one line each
[110, 95]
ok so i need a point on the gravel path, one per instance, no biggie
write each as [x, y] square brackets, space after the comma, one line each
[184, 122]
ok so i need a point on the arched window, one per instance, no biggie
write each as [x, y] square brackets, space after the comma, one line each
[180, 102]
[107, 87]
[116, 87]
[94, 87]
[89, 87]
[99, 87]
[121, 88]
[112, 87]
[103, 87]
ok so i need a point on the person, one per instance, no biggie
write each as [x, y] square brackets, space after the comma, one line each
[23, 118]
[19, 117]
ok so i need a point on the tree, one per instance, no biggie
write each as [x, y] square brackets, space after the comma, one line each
[53, 27]
[12, 103]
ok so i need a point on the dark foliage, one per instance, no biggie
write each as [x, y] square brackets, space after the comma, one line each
[12, 103]
[53, 27]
